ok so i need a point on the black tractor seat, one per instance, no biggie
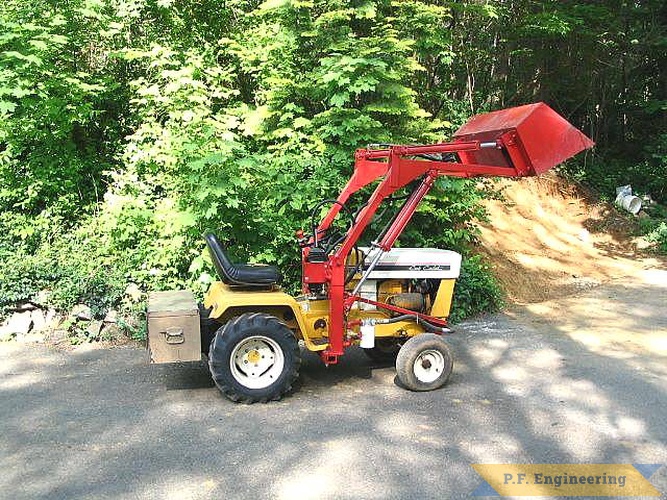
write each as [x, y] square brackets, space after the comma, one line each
[242, 275]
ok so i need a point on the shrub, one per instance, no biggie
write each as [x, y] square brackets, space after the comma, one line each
[476, 290]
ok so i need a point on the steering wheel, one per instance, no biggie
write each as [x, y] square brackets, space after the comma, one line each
[332, 237]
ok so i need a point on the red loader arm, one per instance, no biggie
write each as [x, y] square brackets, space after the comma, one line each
[516, 142]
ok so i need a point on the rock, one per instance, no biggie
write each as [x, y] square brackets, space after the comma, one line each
[82, 312]
[52, 319]
[134, 292]
[111, 331]
[19, 323]
[32, 336]
[94, 329]
[111, 316]
[43, 297]
[5, 334]
[57, 336]
[38, 320]
[26, 306]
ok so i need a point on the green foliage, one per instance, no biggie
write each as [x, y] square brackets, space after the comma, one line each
[658, 235]
[647, 175]
[128, 128]
[58, 111]
[67, 277]
[654, 227]
[476, 290]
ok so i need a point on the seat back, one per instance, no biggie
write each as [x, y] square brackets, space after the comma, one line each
[240, 275]
[219, 258]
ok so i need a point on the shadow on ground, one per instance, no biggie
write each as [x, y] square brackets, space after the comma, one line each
[533, 385]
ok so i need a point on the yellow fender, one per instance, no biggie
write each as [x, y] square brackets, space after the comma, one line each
[226, 303]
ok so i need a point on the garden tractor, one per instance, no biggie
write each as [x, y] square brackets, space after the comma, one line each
[391, 302]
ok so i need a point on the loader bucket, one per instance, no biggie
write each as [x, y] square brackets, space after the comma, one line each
[533, 137]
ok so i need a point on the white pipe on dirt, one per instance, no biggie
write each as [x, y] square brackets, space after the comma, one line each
[627, 201]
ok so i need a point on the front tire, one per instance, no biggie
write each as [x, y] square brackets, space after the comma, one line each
[424, 363]
[254, 358]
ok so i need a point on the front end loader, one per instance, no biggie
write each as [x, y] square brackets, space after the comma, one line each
[391, 302]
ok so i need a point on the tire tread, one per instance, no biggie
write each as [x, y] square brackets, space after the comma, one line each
[226, 336]
[408, 354]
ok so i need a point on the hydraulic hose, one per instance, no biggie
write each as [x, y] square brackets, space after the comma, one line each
[429, 327]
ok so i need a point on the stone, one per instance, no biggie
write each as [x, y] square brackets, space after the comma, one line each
[31, 337]
[111, 316]
[111, 331]
[134, 292]
[57, 336]
[19, 323]
[584, 235]
[94, 329]
[52, 319]
[38, 320]
[5, 334]
[82, 312]
[26, 306]
[43, 297]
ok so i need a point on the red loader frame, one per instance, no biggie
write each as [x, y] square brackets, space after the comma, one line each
[516, 142]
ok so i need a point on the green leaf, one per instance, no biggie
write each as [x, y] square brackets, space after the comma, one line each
[19, 92]
[331, 76]
[39, 44]
[301, 122]
[33, 59]
[7, 107]
[339, 99]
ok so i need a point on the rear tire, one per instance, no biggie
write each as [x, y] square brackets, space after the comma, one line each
[424, 363]
[254, 358]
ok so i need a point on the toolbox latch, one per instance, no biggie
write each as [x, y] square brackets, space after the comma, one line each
[174, 335]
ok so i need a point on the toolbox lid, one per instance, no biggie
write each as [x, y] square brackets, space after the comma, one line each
[172, 302]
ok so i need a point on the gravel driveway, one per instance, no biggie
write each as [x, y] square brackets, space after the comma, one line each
[579, 380]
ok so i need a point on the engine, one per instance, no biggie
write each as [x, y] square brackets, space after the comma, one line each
[418, 279]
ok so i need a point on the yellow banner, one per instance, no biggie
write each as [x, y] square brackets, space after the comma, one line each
[591, 480]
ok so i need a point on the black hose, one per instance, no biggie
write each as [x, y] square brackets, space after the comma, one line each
[360, 258]
[317, 207]
[396, 319]
[429, 327]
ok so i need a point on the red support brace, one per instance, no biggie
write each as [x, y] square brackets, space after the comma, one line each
[515, 142]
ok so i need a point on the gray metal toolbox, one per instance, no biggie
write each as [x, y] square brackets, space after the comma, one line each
[173, 327]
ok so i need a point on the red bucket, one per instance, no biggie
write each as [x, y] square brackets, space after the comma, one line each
[531, 139]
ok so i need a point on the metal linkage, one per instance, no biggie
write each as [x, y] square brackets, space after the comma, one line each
[515, 142]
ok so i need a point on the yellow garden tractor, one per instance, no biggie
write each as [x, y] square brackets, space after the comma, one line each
[391, 302]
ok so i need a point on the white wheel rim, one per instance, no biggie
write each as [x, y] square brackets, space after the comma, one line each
[257, 362]
[429, 365]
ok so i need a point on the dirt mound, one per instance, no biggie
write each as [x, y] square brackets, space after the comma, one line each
[549, 238]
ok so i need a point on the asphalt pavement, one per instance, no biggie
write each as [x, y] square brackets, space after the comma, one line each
[100, 423]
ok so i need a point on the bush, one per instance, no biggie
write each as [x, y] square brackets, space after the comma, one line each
[476, 290]
[647, 174]
[657, 234]
[46, 279]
